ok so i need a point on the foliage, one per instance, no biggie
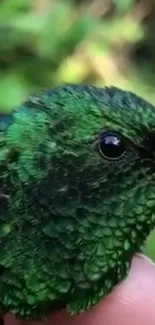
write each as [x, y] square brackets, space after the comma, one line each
[52, 42]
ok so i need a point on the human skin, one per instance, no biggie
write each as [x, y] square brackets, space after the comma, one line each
[132, 302]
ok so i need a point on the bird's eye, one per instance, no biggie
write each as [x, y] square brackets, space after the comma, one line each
[111, 145]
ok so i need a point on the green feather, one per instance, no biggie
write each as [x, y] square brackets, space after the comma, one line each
[70, 219]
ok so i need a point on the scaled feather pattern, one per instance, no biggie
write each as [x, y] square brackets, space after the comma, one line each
[71, 219]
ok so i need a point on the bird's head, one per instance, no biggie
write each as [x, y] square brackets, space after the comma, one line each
[84, 159]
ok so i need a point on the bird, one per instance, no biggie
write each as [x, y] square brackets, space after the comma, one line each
[77, 196]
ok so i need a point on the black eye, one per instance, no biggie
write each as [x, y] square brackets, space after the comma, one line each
[111, 145]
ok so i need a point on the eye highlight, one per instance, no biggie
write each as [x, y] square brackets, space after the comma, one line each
[111, 145]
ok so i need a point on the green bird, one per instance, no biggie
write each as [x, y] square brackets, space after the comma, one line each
[77, 196]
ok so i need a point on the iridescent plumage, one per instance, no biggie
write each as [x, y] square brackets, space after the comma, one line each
[71, 220]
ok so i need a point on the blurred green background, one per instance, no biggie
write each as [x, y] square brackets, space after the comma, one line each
[44, 43]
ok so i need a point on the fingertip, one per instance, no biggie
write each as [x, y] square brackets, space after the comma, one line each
[131, 302]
